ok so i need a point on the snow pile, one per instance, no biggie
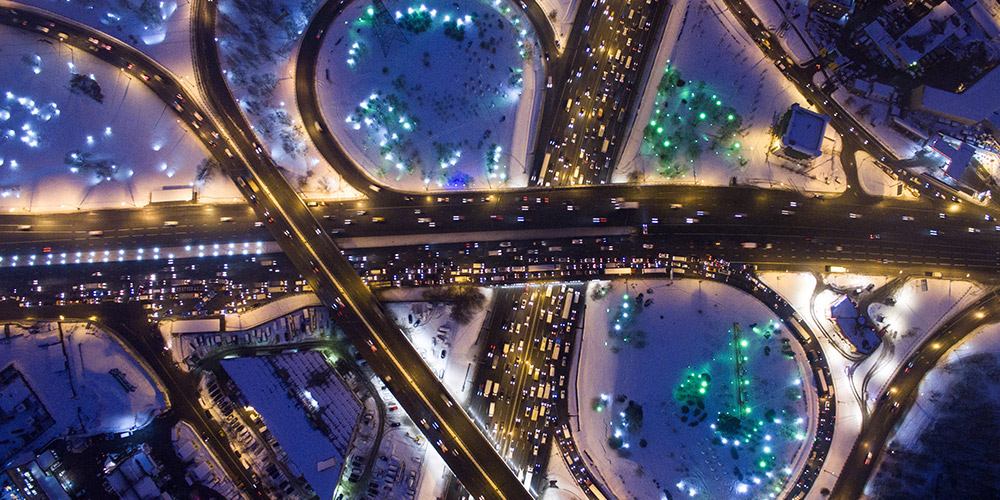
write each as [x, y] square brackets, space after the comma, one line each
[84, 378]
[662, 407]
[448, 104]
[77, 133]
[709, 64]
[257, 44]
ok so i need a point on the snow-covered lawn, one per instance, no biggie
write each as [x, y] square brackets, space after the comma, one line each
[160, 29]
[716, 122]
[75, 379]
[258, 43]
[449, 104]
[674, 356]
[952, 422]
[876, 182]
[102, 140]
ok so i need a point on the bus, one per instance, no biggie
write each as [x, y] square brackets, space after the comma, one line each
[821, 384]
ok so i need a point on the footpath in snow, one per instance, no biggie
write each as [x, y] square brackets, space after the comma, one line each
[689, 386]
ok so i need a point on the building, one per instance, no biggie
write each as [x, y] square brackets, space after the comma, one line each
[972, 106]
[837, 10]
[957, 160]
[802, 133]
[853, 326]
[927, 34]
[132, 479]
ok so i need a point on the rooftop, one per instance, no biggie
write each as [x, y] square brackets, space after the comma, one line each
[805, 130]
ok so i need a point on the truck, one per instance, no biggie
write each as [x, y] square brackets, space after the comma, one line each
[604, 147]
[748, 244]
[489, 387]
[836, 269]
[628, 205]
[493, 407]
[172, 194]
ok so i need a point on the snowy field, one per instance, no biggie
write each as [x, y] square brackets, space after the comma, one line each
[73, 380]
[954, 415]
[258, 44]
[160, 30]
[674, 357]
[720, 69]
[77, 133]
[449, 104]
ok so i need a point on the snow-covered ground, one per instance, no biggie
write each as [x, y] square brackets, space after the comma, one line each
[674, 356]
[63, 150]
[963, 380]
[874, 115]
[876, 182]
[560, 14]
[705, 47]
[160, 30]
[916, 310]
[258, 43]
[916, 313]
[447, 346]
[74, 378]
[449, 104]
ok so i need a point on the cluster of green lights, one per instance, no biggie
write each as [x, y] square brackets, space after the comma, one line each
[385, 115]
[688, 120]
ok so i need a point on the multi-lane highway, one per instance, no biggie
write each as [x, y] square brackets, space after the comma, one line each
[583, 134]
[523, 371]
[788, 227]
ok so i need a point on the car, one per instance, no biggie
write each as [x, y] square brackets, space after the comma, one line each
[907, 218]
[868, 459]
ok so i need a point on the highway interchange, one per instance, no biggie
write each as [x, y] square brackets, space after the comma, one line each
[939, 232]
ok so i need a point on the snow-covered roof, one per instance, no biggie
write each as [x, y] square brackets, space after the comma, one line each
[929, 32]
[267, 312]
[974, 105]
[853, 326]
[310, 451]
[805, 131]
[192, 325]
